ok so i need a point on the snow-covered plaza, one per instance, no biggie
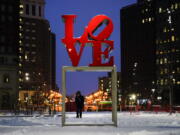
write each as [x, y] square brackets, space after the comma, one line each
[139, 123]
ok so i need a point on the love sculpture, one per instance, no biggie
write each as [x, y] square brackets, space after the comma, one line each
[87, 37]
[97, 42]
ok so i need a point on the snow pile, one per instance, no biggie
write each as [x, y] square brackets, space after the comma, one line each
[128, 124]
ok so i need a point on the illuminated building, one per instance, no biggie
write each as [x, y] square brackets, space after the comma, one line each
[9, 15]
[150, 50]
[105, 84]
[36, 48]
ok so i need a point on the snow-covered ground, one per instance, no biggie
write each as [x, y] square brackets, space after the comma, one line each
[128, 124]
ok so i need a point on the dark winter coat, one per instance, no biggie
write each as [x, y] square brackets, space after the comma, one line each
[79, 102]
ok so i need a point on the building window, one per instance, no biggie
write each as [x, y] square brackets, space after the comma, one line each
[33, 10]
[10, 18]
[176, 6]
[161, 61]
[10, 9]
[33, 24]
[27, 37]
[33, 52]
[6, 79]
[27, 30]
[2, 7]
[160, 10]
[172, 38]
[21, 6]
[142, 20]
[39, 10]
[33, 38]
[2, 18]
[20, 12]
[1, 60]
[33, 45]
[2, 39]
[27, 9]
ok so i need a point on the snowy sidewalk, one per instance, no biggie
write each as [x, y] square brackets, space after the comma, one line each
[128, 124]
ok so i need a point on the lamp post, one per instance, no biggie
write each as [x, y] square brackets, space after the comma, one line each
[27, 78]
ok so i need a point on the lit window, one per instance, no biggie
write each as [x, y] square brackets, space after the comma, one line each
[161, 61]
[26, 74]
[165, 60]
[20, 80]
[20, 72]
[21, 6]
[20, 19]
[173, 38]
[161, 72]
[160, 10]
[142, 20]
[21, 12]
[164, 30]
[26, 57]
[149, 19]
[162, 82]
[172, 6]
[176, 6]
[20, 65]
[6, 78]
[20, 34]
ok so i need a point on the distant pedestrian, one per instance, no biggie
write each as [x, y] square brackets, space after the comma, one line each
[79, 104]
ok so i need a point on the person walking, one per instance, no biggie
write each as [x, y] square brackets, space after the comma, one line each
[79, 104]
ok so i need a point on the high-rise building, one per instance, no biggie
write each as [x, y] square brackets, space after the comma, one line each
[105, 84]
[36, 48]
[137, 51]
[9, 18]
[150, 50]
[168, 50]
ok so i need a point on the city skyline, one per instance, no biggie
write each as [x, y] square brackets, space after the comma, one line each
[53, 12]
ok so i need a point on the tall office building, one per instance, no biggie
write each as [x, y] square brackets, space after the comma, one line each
[9, 18]
[105, 84]
[168, 49]
[36, 48]
[150, 50]
[137, 52]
